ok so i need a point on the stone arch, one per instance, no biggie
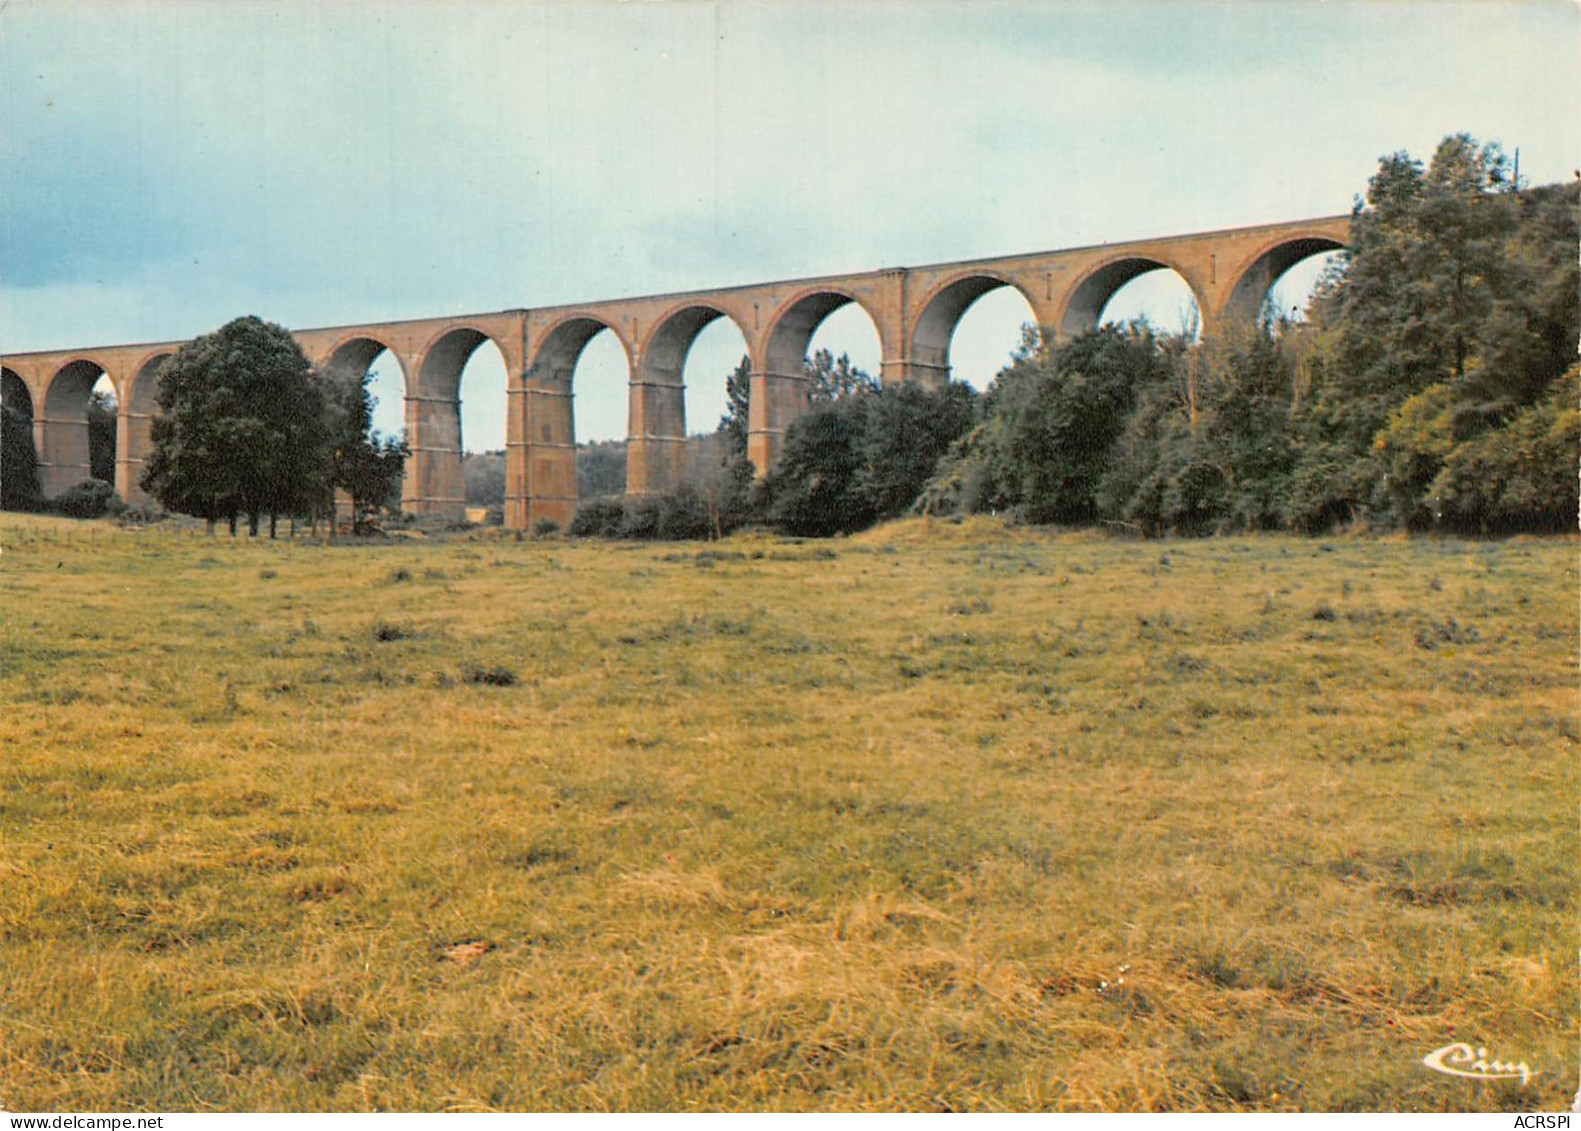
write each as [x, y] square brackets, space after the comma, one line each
[549, 429]
[68, 387]
[1265, 266]
[779, 379]
[14, 393]
[656, 446]
[560, 346]
[135, 438]
[444, 357]
[1092, 292]
[63, 458]
[942, 311]
[18, 475]
[355, 352]
[664, 353]
[792, 325]
[433, 481]
[142, 388]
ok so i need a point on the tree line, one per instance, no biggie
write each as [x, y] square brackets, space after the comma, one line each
[1433, 385]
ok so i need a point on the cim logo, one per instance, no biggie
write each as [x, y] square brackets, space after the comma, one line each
[1463, 1060]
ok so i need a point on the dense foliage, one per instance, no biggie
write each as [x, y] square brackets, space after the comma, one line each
[484, 473]
[102, 427]
[1434, 386]
[600, 469]
[19, 486]
[863, 458]
[1456, 316]
[247, 427]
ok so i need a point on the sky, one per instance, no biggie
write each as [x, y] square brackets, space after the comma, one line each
[166, 166]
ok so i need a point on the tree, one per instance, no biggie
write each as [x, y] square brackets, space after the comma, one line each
[1519, 477]
[905, 432]
[1062, 412]
[241, 428]
[813, 490]
[863, 458]
[601, 469]
[484, 473]
[19, 487]
[102, 425]
[734, 424]
[832, 379]
[1456, 311]
[366, 466]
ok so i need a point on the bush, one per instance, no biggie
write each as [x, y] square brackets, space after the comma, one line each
[545, 528]
[92, 498]
[1518, 477]
[142, 514]
[683, 515]
[490, 675]
[862, 459]
[597, 518]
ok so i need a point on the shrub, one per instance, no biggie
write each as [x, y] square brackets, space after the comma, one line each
[597, 518]
[545, 528]
[89, 499]
[490, 675]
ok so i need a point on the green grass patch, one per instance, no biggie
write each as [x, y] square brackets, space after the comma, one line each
[941, 817]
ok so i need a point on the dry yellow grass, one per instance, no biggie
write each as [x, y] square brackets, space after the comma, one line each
[938, 817]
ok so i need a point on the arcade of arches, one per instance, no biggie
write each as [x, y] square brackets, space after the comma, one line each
[914, 310]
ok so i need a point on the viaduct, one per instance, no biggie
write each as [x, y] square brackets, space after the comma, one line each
[914, 309]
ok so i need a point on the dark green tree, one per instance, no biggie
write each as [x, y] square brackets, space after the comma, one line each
[102, 425]
[814, 490]
[19, 486]
[833, 378]
[367, 466]
[859, 459]
[905, 432]
[1518, 477]
[241, 428]
[1457, 310]
[1062, 412]
[1207, 447]
[734, 424]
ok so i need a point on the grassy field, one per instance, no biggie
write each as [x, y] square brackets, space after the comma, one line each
[937, 817]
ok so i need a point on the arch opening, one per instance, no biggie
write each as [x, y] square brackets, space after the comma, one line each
[435, 482]
[66, 455]
[800, 364]
[142, 403]
[370, 357]
[1288, 296]
[369, 360]
[104, 410]
[19, 483]
[581, 405]
[687, 364]
[830, 322]
[971, 329]
[716, 353]
[1131, 289]
[483, 406]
